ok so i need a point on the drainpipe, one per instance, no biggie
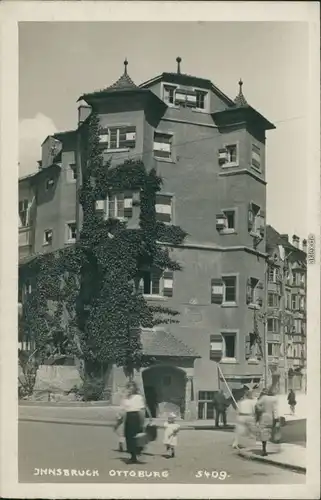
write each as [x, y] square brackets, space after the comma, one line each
[78, 182]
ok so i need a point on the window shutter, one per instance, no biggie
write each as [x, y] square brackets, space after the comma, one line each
[100, 205]
[163, 208]
[128, 204]
[216, 347]
[250, 217]
[222, 155]
[168, 278]
[247, 347]
[260, 285]
[216, 291]
[130, 137]
[220, 221]
[248, 291]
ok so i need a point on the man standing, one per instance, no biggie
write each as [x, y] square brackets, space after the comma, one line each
[220, 405]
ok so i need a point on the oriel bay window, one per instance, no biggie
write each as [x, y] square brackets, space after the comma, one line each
[121, 137]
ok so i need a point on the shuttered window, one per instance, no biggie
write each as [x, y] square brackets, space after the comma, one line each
[156, 283]
[256, 157]
[163, 208]
[162, 145]
[118, 137]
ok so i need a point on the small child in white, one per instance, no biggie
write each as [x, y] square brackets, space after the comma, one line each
[170, 435]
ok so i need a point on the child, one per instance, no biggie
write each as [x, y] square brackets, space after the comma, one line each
[170, 435]
[119, 429]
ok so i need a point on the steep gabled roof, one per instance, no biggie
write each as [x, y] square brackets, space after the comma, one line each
[160, 343]
[273, 239]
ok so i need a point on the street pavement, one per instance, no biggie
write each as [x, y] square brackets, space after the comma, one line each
[202, 456]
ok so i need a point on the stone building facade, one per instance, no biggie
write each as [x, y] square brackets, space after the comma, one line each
[210, 152]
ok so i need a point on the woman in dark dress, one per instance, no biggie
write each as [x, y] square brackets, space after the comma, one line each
[134, 414]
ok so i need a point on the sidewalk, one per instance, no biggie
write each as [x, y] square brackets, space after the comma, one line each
[289, 456]
[300, 409]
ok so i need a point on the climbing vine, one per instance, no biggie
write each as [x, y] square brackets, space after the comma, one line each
[89, 294]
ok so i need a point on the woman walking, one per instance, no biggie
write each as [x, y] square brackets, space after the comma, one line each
[245, 424]
[134, 414]
[267, 416]
[292, 401]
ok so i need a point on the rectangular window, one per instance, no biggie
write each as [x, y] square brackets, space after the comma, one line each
[229, 341]
[294, 303]
[169, 94]
[231, 153]
[163, 208]
[271, 274]
[47, 237]
[270, 349]
[150, 283]
[71, 232]
[71, 172]
[256, 157]
[162, 145]
[229, 289]
[229, 220]
[23, 213]
[115, 206]
[206, 395]
[118, 137]
[273, 325]
[49, 183]
[273, 300]
[200, 99]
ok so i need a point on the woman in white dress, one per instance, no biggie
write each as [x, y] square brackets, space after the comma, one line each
[245, 425]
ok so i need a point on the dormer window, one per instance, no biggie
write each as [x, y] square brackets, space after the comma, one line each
[200, 99]
[184, 97]
[169, 94]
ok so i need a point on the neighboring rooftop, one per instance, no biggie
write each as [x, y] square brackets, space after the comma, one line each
[161, 343]
[273, 239]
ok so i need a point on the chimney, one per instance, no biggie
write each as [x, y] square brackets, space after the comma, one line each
[285, 236]
[83, 111]
[304, 245]
[296, 241]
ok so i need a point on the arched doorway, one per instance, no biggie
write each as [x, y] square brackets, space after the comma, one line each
[164, 388]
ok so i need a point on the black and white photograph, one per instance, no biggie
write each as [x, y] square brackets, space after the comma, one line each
[165, 247]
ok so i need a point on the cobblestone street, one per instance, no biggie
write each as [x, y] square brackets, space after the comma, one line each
[202, 456]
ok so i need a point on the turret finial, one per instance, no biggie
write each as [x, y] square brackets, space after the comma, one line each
[178, 60]
[125, 64]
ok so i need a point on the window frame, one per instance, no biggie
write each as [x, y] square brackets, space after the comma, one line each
[116, 201]
[234, 303]
[172, 206]
[229, 164]
[226, 229]
[45, 241]
[257, 168]
[71, 174]
[275, 323]
[25, 211]
[106, 131]
[168, 159]
[235, 333]
[69, 232]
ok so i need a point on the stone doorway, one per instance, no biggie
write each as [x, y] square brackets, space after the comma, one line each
[164, 388]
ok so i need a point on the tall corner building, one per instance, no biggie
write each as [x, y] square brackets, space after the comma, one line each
[210, 152]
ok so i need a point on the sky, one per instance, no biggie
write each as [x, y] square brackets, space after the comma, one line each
[60, 61]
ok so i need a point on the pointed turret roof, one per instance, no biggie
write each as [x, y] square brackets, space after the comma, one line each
[124, 82]
[240, 100]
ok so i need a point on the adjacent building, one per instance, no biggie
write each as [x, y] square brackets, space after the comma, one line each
[210, 152]
[286, 313]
